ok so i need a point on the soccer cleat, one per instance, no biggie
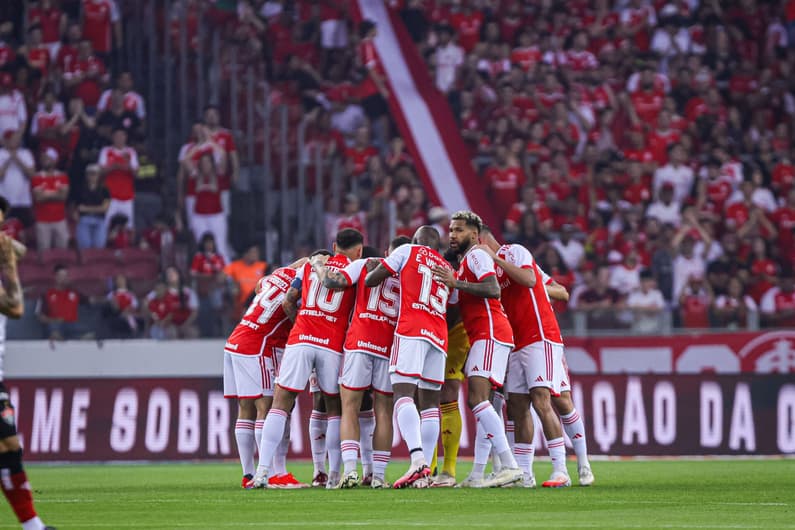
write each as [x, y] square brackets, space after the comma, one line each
[412, 475]
[471, 482]
[320, 480]
[526, 482]
[260, 480]
[367, 480]
[348, 481]
[505, 477]
[586, 476]
[333, 480]
[559, 479]
[379, 484]
[443, 480]
[246, 479]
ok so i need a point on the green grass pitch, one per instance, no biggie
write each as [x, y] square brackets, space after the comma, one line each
[628, 494]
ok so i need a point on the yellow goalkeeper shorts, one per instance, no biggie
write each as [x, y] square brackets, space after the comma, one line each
[457, 350]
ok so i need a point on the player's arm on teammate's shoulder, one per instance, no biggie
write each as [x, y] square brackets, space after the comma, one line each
[377, 275]
[488, 287]
[298, 263]
[12, 303]
[556, 291]
[290, 303]
[524, 277]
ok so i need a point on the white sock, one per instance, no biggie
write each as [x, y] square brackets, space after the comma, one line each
[244, 435]
[280, 458]
[429, 431]
[494, 430]
[498, 400]
[366, 430]
[380, 461]
[350, 455]
[481, 456]
[258, 432]
[524, 457]
[557, 452]
[408, 420]
[272, 434]
[575, 430]
[33, 524]
[510, 433]
[318, 422]
[333, 445]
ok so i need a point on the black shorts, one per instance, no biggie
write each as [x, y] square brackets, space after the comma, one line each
[375, 106]
[8, 427]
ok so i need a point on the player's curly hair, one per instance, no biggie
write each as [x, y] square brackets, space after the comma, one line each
[470, 218]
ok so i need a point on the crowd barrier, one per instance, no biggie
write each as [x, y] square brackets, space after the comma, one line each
[716, 394]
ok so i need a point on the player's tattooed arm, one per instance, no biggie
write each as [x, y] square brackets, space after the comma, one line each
[377, 276]
[488, 288]
[290, 303]
[12, 304]
[333, 279]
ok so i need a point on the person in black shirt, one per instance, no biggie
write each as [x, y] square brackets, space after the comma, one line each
[92, 203]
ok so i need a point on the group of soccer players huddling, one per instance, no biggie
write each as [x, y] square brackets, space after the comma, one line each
[381, 336]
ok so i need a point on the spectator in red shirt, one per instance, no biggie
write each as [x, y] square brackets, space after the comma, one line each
[695, 302]
[47, 123]
[183, 303]
[50, 188]
[102, 25]
[208, 213]
[504, 179]
[119, 315]
[207, 271]
[58, 308]
[67, 52]
[52, 21]
[360, 153]
[731, 310]
[778, 304]
[160, 310]
[86, 75]
[119, 164]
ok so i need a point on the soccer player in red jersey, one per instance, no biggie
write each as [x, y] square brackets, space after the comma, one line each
[537, 370]
[366, 362]
[417, 358]
[491, 340]
[251, 357]
[316, 341]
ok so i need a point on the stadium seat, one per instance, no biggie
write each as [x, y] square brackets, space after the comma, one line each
[58, 256]
[131, 255]
[99, 255]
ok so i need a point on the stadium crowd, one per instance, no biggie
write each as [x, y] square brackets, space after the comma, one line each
[643, 150]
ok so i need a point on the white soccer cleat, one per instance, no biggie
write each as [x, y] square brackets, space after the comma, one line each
[333, 481]
[348, 481]
[443, 480]
[379, 483]
[471, 482]
[259, 481]
[559, 479]
[586, 476]
[526, 482]
[505, 477]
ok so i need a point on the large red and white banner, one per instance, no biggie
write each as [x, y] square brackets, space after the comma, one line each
[424, 118]
[727, 394]
[187, 419]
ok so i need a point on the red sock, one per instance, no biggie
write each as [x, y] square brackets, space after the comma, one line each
[16, 488]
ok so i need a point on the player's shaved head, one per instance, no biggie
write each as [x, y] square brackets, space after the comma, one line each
[320, 252]
[427, 236]
[371, 252]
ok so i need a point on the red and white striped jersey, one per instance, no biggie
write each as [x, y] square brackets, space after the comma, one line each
[264, 325]
[484, 318]
[423, 299]
[529, 309]
[375, 314]
[323, 319]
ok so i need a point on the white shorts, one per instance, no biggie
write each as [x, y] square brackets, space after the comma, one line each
[248, 376]
[333, 34]
[489, 359]
[418, 362]
[361, 371]
[541, 364]
[297, 365]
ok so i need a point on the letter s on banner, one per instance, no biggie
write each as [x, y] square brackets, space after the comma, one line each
[604, 415]
[125, 416]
